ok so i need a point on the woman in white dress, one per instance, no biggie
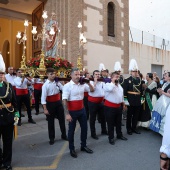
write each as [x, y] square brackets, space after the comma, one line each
[158, 113]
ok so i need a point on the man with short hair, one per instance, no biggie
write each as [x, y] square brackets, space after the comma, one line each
[114, 101]
[52, 105]
[22, 95]
[95, 100]
[10, 76]
[73, 94]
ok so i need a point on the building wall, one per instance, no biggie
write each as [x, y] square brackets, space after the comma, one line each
[8, 31]
[102, 48]
[146, 56]
[93, 15]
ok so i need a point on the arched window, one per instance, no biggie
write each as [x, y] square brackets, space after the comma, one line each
[111, 19]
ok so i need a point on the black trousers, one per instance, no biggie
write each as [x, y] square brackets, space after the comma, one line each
[132, 117]
[113, 118]
[26, 100]
[6, 132]
[37, 97]
[96, 108]
[79, 115]
[85, 100]
[55, 110]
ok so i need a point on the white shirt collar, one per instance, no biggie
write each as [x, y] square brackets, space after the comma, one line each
[48, 81]
[72, 82]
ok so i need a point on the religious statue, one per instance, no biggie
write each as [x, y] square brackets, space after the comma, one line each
[51, 42]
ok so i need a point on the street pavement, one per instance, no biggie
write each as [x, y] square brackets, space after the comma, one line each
[31, 151]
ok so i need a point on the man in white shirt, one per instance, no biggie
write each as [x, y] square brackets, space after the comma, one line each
[22, 95]
[73, 94]
[10, 76]
[50, 99]
[95, 101]
[114, 99]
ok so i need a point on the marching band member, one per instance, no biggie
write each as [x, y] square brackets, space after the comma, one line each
[133, 92]
[37, 92]
[8, 106]
[117, 68]
[95, 100]
[52, 105]
[103, 70]
[22, 95]
[73, 94]
[114, 100]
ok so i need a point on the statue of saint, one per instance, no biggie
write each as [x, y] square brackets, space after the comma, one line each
[51, 42]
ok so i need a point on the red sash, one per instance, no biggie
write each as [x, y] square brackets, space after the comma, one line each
[20, 92]
[75, 105]
[95, 99]
[110, 104]
[86, 94]
[38, 86]
[53, 98]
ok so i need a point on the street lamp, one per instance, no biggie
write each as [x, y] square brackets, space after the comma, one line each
[23, 39]
[43, 36]
[60, 45]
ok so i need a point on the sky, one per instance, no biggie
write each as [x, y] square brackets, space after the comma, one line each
[152, 16]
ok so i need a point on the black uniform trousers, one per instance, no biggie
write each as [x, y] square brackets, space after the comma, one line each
[96, 108]
[37, 97]
[79, 115]
[113, 118]
[6, 131]
[132, 117]
[85, 100]
[26, 100]
[55, 110]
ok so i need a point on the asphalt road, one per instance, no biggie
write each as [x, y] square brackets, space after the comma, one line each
[31, 151]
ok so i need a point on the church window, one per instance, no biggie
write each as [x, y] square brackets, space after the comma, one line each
[111, 19]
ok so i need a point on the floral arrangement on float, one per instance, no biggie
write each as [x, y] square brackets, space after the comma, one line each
[61, 65]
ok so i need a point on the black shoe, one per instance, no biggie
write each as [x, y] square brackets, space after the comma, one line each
[51, 142]
[86, 149]
[111, 141]
[37, 113]
[19, 123]
[94, 137]
[73, 153]
[22, 115]
[136, 131]
[129, 132]
[64, 137]
[122, 138]
[104, 132]
[31, 121]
